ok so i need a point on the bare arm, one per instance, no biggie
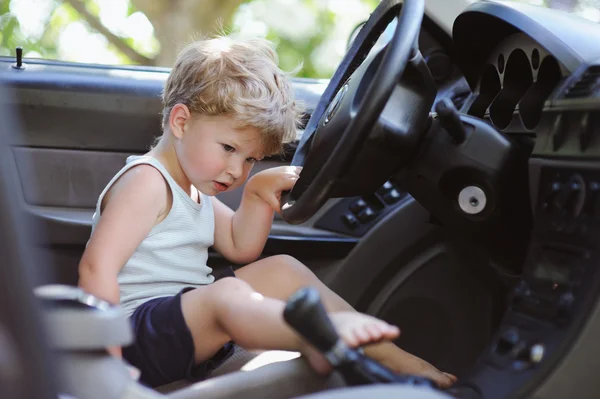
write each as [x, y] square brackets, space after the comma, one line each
[132, 207]
[240, 236]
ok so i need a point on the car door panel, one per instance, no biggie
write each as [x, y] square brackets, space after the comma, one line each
[79, 124]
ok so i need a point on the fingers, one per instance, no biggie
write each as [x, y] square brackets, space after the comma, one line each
[273, 201]
[292, 169]
[286, 180]
[273, 182]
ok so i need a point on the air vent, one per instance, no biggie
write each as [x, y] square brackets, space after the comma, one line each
[585, 85]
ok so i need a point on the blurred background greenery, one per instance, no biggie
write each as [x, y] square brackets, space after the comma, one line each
[150, 32]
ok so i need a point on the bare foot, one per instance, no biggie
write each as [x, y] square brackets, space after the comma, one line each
[355, 329]
[405, 363]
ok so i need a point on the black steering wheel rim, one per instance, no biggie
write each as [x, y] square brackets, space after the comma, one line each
[306, 198]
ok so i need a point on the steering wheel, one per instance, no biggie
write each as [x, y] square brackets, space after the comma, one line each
[351, 107]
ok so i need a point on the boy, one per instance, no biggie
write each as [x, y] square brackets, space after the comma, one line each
[226, 105]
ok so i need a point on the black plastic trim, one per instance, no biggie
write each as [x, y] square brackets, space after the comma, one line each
[310, 247]
[62, 229]
[571, 40]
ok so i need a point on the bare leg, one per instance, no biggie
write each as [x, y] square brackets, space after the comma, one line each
[280, 276]
[231, 310]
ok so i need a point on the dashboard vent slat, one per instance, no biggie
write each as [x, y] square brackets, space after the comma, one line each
[586, 83]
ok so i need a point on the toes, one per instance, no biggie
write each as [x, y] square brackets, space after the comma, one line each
[391, 332]
[452, 377]
[387, 331]
[375, 332]
[444, 380]
[370, 333]
[351, 339]
[361, 334]
[358, 330]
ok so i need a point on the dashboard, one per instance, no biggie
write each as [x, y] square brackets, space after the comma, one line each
[535, 75]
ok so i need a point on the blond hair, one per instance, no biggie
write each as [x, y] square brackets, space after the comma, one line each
[240, 78]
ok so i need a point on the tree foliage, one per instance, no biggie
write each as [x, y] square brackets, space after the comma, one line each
[174, 24]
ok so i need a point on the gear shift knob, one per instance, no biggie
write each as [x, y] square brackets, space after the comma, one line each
[306, 314]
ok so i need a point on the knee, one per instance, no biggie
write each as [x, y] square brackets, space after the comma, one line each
[220, 293]
[228, 286]
[230, 294]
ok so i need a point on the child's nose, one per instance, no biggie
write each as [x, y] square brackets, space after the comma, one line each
[235, 170]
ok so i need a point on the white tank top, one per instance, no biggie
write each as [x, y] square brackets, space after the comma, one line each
[174, 253]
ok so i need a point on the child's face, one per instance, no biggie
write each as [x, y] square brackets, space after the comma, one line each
[215, 154]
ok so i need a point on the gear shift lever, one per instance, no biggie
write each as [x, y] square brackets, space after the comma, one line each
[306, 314]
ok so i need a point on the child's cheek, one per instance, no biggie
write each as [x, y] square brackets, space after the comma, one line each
[247, 171]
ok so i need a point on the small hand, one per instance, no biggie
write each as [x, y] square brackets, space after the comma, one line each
[270, 183]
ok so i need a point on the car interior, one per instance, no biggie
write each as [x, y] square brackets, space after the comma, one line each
[449, 186]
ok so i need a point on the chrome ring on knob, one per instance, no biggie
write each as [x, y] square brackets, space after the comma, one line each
[472, 200]
[76, 294]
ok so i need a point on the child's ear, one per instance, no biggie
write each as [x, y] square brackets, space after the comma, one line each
[180, 115]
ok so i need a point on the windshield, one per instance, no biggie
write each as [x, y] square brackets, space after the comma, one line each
[310, 33]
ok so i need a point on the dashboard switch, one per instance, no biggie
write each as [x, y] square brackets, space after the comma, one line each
[350, 220]
[536, 353]
[358, 206]
[366, 215]
[507, 341]
[383, 190]
[392, 197]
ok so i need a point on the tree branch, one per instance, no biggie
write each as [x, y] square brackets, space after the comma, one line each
[177, 22]
[95, 23]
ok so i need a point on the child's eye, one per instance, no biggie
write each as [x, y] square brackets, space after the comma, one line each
[251, 160]
[228, 148]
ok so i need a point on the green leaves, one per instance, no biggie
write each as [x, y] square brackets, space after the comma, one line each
[310, 48]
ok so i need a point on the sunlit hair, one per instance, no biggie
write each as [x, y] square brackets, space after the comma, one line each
[240, 78]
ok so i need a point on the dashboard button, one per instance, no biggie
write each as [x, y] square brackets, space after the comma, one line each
[350, 220]
[366, 215]
[387, 186]
[536, 353]
[507, 341]
[392, 197]
[358, 206]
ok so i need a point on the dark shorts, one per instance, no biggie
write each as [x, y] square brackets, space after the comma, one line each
[164, 349]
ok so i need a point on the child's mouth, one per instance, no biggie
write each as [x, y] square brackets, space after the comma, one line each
[220, 186]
